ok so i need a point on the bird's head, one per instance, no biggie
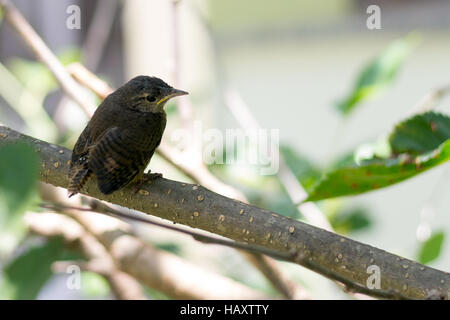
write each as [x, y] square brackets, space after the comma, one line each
[148, 94]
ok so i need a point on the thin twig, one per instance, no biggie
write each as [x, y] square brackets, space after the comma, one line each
[99, 32]
[40, 49]
[431, 100]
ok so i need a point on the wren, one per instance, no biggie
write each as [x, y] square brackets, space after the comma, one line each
[122, 135]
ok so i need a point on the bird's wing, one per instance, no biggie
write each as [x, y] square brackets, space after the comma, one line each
[112, 161]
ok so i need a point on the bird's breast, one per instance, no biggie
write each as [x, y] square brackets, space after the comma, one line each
[146, 130]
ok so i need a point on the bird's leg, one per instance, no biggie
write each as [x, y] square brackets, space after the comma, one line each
[151, 176]
[145, 177]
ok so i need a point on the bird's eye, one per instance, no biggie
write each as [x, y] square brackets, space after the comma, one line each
[151, 99]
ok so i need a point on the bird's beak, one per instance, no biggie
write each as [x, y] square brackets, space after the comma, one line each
[172, 92]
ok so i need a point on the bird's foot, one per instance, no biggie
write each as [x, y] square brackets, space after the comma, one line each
[151, 176]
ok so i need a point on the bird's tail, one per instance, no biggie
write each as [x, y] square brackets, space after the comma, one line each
[78, 179]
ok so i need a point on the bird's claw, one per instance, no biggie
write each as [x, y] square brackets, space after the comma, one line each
[151, 176]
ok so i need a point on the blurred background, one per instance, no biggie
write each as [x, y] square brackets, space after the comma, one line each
[292, 62]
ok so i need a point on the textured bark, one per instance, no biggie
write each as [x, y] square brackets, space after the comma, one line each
[329, 254]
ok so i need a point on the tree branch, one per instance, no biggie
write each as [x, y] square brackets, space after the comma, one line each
[334, 256]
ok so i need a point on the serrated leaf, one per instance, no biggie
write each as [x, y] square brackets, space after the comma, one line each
[24, 277]
[421, 133]
[376, 76]
[306, 173]
[377, 173]
[431, 248]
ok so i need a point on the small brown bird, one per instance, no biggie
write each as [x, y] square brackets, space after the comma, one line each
[120, 139]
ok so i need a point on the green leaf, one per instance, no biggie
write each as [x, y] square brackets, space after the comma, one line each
[171, 108]
[34, 76]
[366, 151]
[306, 173]
[377, 173]
[69, 55]
[155, 294]
[169, 246]
[94, 285]
[431, 248]
[376, 76]
[421, 133]
[280, 202]
[18, 175]
[348, 221]
[24, 277]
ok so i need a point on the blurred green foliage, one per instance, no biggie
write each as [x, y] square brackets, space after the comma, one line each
[26, 274]
[94, 285]
[171, 247]
[36, 77]
[379, 74]
[25, 85]
[431, 249]
[347, 221]
[305, 171]
[18, 176]
[155, 294]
